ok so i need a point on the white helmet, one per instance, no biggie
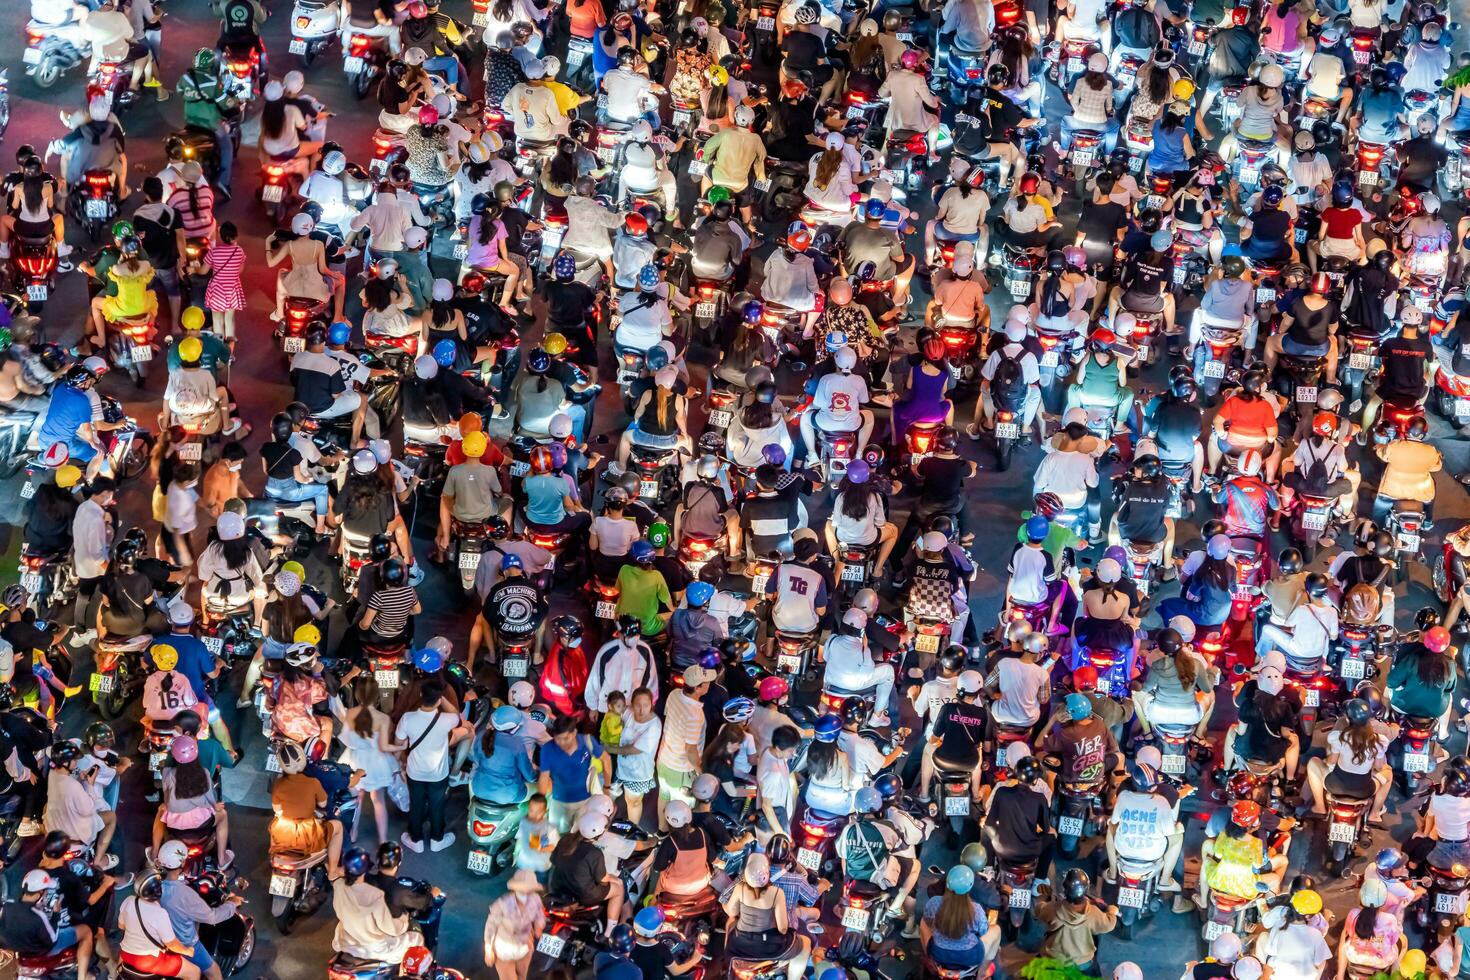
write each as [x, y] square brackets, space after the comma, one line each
[1097, 62]
[476, 151]
[592, 826]
[334, 163]
[1430, 202]
[293, 81]
[425, 367]
[443, 291]
[172, 855]
[1015, 331]
[845, 359]
[364, 462]
[98, 108]
[1077, 416]
[600, 804]
[1127, 971]
[1226, 947]
[744, 116]
[273, 92]
[442, 105]
[302, 224]
[560, 426]
[1109, 571]
[521, 694]
[1123, 323]
[678, 814]
[1272, 76]
[971, 681]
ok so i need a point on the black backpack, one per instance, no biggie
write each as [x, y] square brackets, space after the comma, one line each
[1008, 385]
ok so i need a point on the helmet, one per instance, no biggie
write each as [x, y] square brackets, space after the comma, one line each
[1027, 769]
[889, 786]
[1437, 639]
[874, 209]
[678, 814]
[1272, 76]
[1250, 462]
[99, 734]
[867, 800]
[165, 657]
[1316, 585]
[623, 939]
[999, 76]
[798, 238]
[337, 335]
[1102, 339]
[1075, 885]
[1029, 184]
[1047, 505]
[641, 552]
[183, 749]
[827, 728]
[808, 13]
[737, 711]
[744, 116]
[1246, 814]
[855, 710]
[445, 352]
[1342, 194]
[1097, 62]
[1037, 528]
[565, 267]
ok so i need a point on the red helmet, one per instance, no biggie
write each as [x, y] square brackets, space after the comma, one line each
[1321, 284]
[773, 688]
[909, 59]
[1030, 183]
[1246, 814]
[1102, 338]
[1084, 678]
[799, 239]
[428, 116]
[636, 224]
[1324, 423]
[473, 282]
[541, 460]
[418, 960]
[1048, 505]
[1437, 640]
[933, 349]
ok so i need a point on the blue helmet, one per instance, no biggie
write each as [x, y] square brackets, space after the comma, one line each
[648, 278]
[1272, 195]
[641, 551]
[1342, 194]
[1160, 241]
[752, 310]
[699, 593]
[356, 862]
[428, 660]
[506, 718]
[656, 357]
[539, 362]
[565, 267]
[1231, 249]
[1037, 528]
[836, 340]
[339, 333]
[874, 208]
[649, 921]
[889, 785]
[827, 728]
[867, 800]
[774, 453]
[445, 352]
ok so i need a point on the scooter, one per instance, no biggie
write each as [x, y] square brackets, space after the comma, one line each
[492, 828]
[314, 23]
[298, 886]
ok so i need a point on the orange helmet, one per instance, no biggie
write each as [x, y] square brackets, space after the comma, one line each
[1324, 423]
[541, 460]
[417, 962]
[1246, 814]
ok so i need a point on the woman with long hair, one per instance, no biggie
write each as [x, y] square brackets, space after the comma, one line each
[829, 185]
[1356, 765]
[298, 698]
[1373, 938]
[385, 307]
[1179, 687]
[1091, 101]
[282, 126]
[923, 386]
[368, 745]
[658, 419]
[1013, 49]
[721, 759]
[32, 211]
[306, 275]
[489, 253]
[187, 800]
[955, 929]
[860, 517]
[1172, 149]
[760, 923]
[229, 571]
[1206, 595]
[831, 781]
[1422, 679]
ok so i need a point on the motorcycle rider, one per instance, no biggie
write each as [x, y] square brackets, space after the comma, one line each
[850, 664]
[1010, 378]
[1245, 423]
[210, 107]
[1309, 629]
[1142, 512]
[1407, 368]
[1106, 385]
[1143, 827]
[732, 156]
[837, 405]
[1410, 465]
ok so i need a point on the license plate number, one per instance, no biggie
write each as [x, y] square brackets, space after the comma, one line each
[141, 353]
[575, 57]
[352, 64]
[1250, 175]
[37, 292]
[956, 806]
[102, 683]
[1214, 930]
[697, 168]
[1020, 898]
[1462, 407]
[272, 762]
[1074, 65]
[1070, 826]
[1314, 520]
[1083, 156]
[1050, 359]
[1265, 294]
[469, 559]
[191, 452]
[1130, 898]
[758, 582]
[1360, 362]
[1214, 369]
[719, 418]
[1408, 542]
[1306, 395]
[1416, 762]
[551, 945]
[461, 249]
[214, 645]
[856, 112]
[1451, 903]
[682, 117]
[809, 859]
[1301, 236]
[155, 761]
[283, 886]
[1342, 833]
[607, 610]
[1174, 764]
[854, 573]
[31, 582]
[387, 679]
[705, 310]
[1196, 48]
[293, 345]
[478, 862]
[1353, 668]
[1368, 178]
[298, 46]
[97, 208]
[648, 488]
[855, 919]
[765, 23]
[1007, 430]
[1154, 202]
[520, 467]
[1311, 697]
[905, 36]
[1018, 287]
[1362, 57]
[788, 663]
[927, 643]
[272, 193]
[514, 667]
[892, 176]
[481, 18]
[28, 491]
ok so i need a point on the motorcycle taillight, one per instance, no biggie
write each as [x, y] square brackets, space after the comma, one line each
[917, 144]
[274, 173]
[972, 72]
[382, 146]
[34, 38]
[302, 23]
[100, 183]
[33, 562]
[359, 45]
[36, 266]
[240, 68]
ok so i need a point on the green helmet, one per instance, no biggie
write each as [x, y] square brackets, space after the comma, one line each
[5, 339]
[717, 194]
[658, 534]
[973, 857]
[122, 229]
[204, 60]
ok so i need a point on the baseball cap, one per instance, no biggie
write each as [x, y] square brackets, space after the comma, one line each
[695, 675]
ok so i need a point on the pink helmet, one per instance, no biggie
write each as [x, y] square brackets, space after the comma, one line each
[428, 116]
[1075, 256]
[909, 59]
[184, 749]
[418, 10]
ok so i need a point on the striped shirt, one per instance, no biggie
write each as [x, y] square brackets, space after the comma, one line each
[683, 727]
[197, 222]
[393, 607]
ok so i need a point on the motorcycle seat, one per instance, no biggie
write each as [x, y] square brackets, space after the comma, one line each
[347, 961]
[1408, 507]
[132, 644]
[570, 908]
[1343, 799]
[942, 764]
[299, 859]
[838, 691]
[865, 889]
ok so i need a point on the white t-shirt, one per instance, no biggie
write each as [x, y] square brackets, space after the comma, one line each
[134, 917]
[628, 94]
[838, 399]
[1068, 475]
[182, 511]
[643, 735]
[1028, 576]
[1021, 687]
[862, 755]
[935, 694]
[773, 782]
[1144, 822]
[1451, 816]
[429, 761]
[1295, 952]
[1337, 745]
[614, 535]
[962, 213]
[864, 530]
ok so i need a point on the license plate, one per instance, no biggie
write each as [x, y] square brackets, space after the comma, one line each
[97, 208]
[481, 18]
[856, 112]
[1450, 902]
[892, 176]
[1368, 178]
[683, 117]
[377, 166]
[1019, 288]
[478, 862]
[575, 57]
[758, 582]
[1214, 930]
[1140, 352]
[706, 310]
[927, 643]
[1214, 369]
[1007, 430]
[788, 663]
[905, 36]
[809, 859]
[1241, 592]
[31, 582]
[956, 806]
[551, 945]
[1314, 520]
[515, 667]
[461, 250]
[607, 610]
[1074, 65]
[1352, 668]
[1462, 407]
[156, 759]
[1154, 202]
[855, 919]
[36, 292]
[191, 451]
[102, 683]
[387, 679]
[469, 559]
[272, 762]
[1196, 48]
[854, 573]
[32, 56]
[648, 488]
[1250, 175]
[1362, 57]
[293, 345]
[1020, 898]
[1131, 898]
[1070, 826]
[283, 886]
[1408, 542]
[1265, 294]
[1180, 274]
[1362, 362]
[142, 353]
[1342, 833]
[719, 418]
[352, 64]
[214, 645]
[1083, 156]
[765, 23]
[298, 46]
[28, 491]
[1174, 764]
[1306, 395]
[272, 193]
[1301, 236]
[520, 467]
[1416, 761]
[1311, 697]
[1050, 359]
[697, 168]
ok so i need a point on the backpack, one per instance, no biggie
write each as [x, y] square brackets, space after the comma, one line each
[1315, 478]
[1054, 303]
[1008, 385]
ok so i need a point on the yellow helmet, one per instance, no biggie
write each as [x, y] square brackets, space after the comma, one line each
[307, 633]
[474, 445]
[717, 75]
[1184, 89]
[554, 344]
[165, 657]
[1307, 902]
[192, 318]
[67, 476]
[1413, 963]
[190, 349]
[295, 568]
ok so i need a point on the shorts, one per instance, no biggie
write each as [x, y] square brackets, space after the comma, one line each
[200, 957]
[744, 197]
[66, 938]
[165, 964]
[564, 816]
[638, 787]
[945, 235]
[1357, 785]
[1289, 346]
[167, 280]
[781, 816]
[675, 784]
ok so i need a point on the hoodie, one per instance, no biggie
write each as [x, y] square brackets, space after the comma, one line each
[1228, 299]
[1071, 932]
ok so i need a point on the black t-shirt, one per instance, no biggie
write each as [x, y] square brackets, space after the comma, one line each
[281, 460]
[364, 518]
[1177, 426]
[654, 959]
[681, 839]
[716, 836]
[157, 234]
[483, 320]
[1403, 368]
[943, 479]
[1362, 569]
[515, 607]
[24, 636]
[403, 895]
[675, 574]
[577, 870]
[996, 116]
[317, 389]
[1235, 49]
[515, 221]
[48, 525]
[1270, 225]
[1309, 326]
[1100, 224]
[804, 51]
[1149, 273]
[1019, 815]
[76, 880]
[962, 728]
[1137, 28]
[1264, 741]
[1142, 511]
[1421, 160]
[23, 930]
[1459, 341]
[567, 303]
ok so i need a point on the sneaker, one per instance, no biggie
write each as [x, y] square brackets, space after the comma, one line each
[29, 828]
[411, 844]
[879, 719]
[108, 862]
[415, 573]
[442, 842]
[124, 881]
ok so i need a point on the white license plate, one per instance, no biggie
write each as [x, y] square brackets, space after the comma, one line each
[1250, 175]
[1265, 294]
[1368, 178]
[514, 667]
[1174, 764]
[1083, 156]
[905, 36]
[1311, 697]
[156, 760]
[1300, 234]
[1360, 362]
[1154, 202]
[758, 582]
[1462, 407]
[1214, 369]
[377, 166]
[478, 862]
[551, 945]
[298, 46]
[706, 310]
[1408, 542]
[102, 683]
[682, 117]
[1451, 903]
[765, 23]
[142, 353]
[856, 112]
[272, 762]
[809, 859]
[1140, 352]
[37, 292]
[1214, 930]
[1070, 826]
[481, 18]
[1050, 359]
[1180, 274]
[388, 680]
[607, 610]
[293, 345]
[1416, 761]
[956, 806]
[1314, 520]
[1196, 48]
[1362, 57]
[461, 250]
[648, 488]
[1074, 65]
[894, 177]
[191, 452]
[97, 208]
[214, 645]
[28, 491]
[520, 467]
[283, 886]
[352, 64]
[469, 559]
[1131, 898]
[719, 418]
[1342, 833]
[855, 919]
[1007, 430]
[1020, 898]
[1306, 395]
[697, 168]
[788, 663]
[31, 56]
[272, 193]
[31, 582]
[854, 573]
[927, 643]
[1018, 287]
[1352, 668]
[575, 57]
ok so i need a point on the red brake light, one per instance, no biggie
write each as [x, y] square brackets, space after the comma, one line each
[303, 22]
[359, 44]
[1362, 42]
[856, 98]
[381, 145]
[275, 171]
[917, 144]
[1371, 154]
[102, 181]
[484, 828]
[972, 72]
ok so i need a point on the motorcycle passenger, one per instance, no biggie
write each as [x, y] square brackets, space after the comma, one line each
[1106, 384]
[1245, 423]
[1421, 681]
[1308, 328]
[1091, 101]
[1408, 365]
[733, 154]
[760, 927]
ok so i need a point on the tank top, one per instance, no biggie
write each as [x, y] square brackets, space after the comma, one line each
[689, 874]
[1280, 33]
[648, 420]
[1189, 209]
[754, 919]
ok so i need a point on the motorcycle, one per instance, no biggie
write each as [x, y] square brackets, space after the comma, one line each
[33, 262]
[298, 886]
[52, 50]
[111, 81]
[364, 61]
[130, 345]
[1347, 827]
[1017, 881]
[1411, 754]
[952, 798]
[314, 23]
[242, 77]
[1370, 160]
[1076, 806]
[1018, 269]
[1138, 883]
[1444, 903]
[492, 829]
[1213, 357]
[1253, 156]
[386, 662]
[279, 186]
[1083, 157]
[301, 313]
[94, 202]
[816, 842]
[119, 673]
[467, 543]
[794, 653]
[1311, 518]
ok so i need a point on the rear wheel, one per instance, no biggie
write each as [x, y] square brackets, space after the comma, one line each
[1003, 450]
[112, 704]
[47, 72]
[362, 83]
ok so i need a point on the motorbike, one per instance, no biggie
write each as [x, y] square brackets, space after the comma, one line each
[279, 186]
[111, 81]
[1298, 379]
[1253, 156]
[1456, 167]
[711, 299]
[1444, 903]
[386, 661]
[301, 313]
[816, 841]
[951, 794]
[1017, 882]
[94, 202]
[1138, 140]
[32, 272]
[363, 61]
[492, 829]
[1311, 518]
[119, 673]
[298, 886]
[1214, 355]
[794, 653]
[130, 345]
[1077, 805]
[1347, 827]
[1083, 157]
[1138, 896]
[1411, 754]
[314, 23]
[467, 543]
[53, 50]
[242, 77]
[1370, 159]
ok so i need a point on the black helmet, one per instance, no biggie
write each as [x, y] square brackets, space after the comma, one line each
[568, 629]
[622, 938]
[1289, 561]
[952, 660]
[281, 427]
[65, 753]
[1170, 641]
[394, 572]
[1253, 381]
[854, 711]
[1357, 711]
[498, 527]
[1075, 885]
[1234, 266]
[778, 849]
[999, 76]
[626, 57]
[99, 733]
[390, 854]
[630, 626]
[946, 439]
[1316, 585]
[1184, 388]
[1426, 618]
[380, 547]
[1455, 784]
[1418, 428]
[1056, 261]
[56, 845]
[1147, 467]
[150, 889]
[1028, 769]
[1381, 544]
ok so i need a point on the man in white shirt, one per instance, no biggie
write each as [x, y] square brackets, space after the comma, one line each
[775, 789]
[1308, 631]
[429, 732]
[91, 542]
[1142, 825]
[590, 225]
[797, 589]
[850, 664]
[532, 108]
[838, 404]
[1031, 567]
[681, 748]
[1030, 378]
[1024, 685]
[386, 222]
[630, 94]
